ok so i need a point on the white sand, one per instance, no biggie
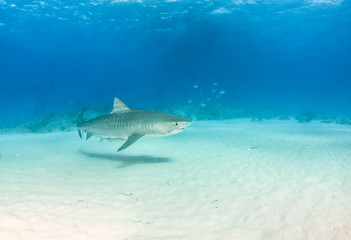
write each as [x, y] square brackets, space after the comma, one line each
[217, 180]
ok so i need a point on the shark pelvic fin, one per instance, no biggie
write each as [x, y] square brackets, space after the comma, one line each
[89, 134]
[80, 133]
[131, 139]
[119, 106]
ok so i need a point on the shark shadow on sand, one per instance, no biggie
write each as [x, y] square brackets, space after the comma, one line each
[125, 160]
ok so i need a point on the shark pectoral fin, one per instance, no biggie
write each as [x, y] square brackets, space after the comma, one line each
[89, 134]
[131, 139]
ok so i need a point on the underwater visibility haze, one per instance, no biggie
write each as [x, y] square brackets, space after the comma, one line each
[265, 85]
[285, 56]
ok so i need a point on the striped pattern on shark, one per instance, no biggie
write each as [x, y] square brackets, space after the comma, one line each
[124, 123]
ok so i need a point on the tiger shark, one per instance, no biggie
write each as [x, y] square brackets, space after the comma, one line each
[124, 123]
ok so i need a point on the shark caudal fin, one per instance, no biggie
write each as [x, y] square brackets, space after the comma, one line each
[80, 121]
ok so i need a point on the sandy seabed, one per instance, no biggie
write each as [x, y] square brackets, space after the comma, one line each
[222, 180]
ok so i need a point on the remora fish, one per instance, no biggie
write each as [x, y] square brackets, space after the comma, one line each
[126, 124]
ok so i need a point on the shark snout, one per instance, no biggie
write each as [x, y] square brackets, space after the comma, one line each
[184, 124]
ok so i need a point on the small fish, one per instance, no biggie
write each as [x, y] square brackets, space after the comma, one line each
[110, 139]
[124, 123]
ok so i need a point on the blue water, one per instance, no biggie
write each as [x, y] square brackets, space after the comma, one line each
[288, 56]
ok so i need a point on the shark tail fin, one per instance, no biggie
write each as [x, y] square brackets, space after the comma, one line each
[80, 118]
[80, 133]
[80, 121]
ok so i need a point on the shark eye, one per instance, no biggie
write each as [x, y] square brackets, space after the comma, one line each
[176, 124]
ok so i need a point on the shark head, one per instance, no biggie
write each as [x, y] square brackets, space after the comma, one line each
[154, 123]
[170, 124]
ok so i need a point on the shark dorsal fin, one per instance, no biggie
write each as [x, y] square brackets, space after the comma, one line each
[119, 106]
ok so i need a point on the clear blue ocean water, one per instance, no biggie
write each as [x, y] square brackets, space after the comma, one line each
[288, 56]
[235, 61]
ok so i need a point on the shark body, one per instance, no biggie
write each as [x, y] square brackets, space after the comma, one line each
[124, 123]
